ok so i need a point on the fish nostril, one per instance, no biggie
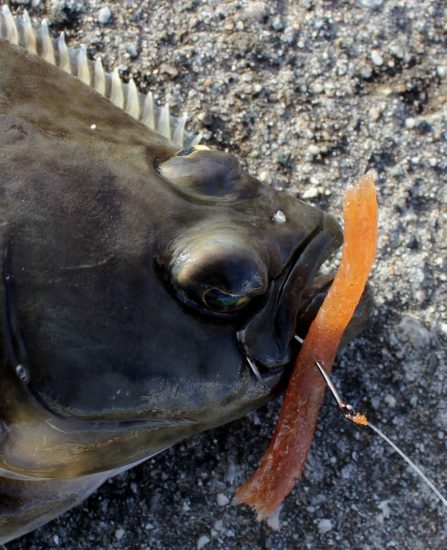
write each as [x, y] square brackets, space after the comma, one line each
[23, 373]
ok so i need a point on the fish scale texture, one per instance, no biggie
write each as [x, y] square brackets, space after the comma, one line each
[309, 94]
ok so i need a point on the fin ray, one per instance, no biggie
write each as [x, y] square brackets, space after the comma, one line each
[46, 44]
[19, 31]
[164, 122]
[64, 54]
[148, 112]
[116, 93]
[83, 70]
[9, 25]
[100, 77]
[133, 101]
[29, 34]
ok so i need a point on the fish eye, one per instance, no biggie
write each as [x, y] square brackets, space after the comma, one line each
[215, 269]
[185, 152]
[207, 174]
[224, 302]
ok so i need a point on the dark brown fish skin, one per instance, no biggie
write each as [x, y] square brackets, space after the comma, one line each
[119, 368]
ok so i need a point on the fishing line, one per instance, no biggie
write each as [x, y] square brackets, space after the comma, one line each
[415, 468]
[360, 419]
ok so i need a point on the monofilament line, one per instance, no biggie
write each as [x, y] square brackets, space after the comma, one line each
[412, 465]
[361, 420]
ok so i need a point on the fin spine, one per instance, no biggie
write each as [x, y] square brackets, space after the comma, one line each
[19, 31]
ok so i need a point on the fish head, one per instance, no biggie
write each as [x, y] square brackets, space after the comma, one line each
[141, 281]
[250, 260]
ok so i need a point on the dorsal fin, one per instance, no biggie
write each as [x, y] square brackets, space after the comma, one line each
[21, 32]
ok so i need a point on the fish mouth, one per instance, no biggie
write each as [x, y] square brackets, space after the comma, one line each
[270, 342]
[267, 340]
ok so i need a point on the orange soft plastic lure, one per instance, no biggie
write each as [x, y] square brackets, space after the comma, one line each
[283, 462]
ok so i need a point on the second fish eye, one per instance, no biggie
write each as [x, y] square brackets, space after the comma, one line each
[185, 152]
[190, 149]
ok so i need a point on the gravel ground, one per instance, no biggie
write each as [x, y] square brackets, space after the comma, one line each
[309, 94]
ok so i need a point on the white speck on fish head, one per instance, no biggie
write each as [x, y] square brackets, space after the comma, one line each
[279, 217]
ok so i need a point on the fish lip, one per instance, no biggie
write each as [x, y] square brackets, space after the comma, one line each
[268, 339]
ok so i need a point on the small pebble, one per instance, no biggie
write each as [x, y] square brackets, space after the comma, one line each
[169, 69]
[256, 10]
[313, 150]
[324, 526]
[282, 158]
[133, 50]
[366, 71]
[390, 400]
[206, 118]
[273, 521]
[202, 542]
[384, 508]
[222, 500]
[375, 402]
[374, 115]
[119, 533]
[104, 15]
[277, 24]
[371, 3]
[186, 507]
[264, 176]
[376, 58]
[397, 50]
[218, 525]
[71, 9]
[310, 193]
